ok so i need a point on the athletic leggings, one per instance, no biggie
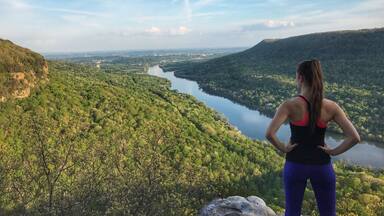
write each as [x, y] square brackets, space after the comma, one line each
[323, 181]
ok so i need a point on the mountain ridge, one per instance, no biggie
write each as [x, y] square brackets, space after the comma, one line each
[352, 62]
[20, 70]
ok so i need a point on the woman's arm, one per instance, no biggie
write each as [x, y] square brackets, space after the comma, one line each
[279, 118]
[352, 137]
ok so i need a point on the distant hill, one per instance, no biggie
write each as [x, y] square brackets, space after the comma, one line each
[20, 70]
[353, 56]
[263, 76]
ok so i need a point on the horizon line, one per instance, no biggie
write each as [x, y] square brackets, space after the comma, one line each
[144, 49]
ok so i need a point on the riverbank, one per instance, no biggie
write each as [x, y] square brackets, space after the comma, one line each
[253, 123]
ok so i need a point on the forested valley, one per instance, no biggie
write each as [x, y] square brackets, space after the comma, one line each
[104, 141]
[263, 76]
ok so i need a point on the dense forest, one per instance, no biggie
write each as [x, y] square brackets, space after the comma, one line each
[99, 143]
[263, 76]
[92, 141]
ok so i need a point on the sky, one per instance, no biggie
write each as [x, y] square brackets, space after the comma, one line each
[101, 25]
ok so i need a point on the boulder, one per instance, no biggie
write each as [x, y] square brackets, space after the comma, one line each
[237, 206]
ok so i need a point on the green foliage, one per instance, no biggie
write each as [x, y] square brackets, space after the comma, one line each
[18, 61]
[14, 58]
[95, 143]
[263, 76]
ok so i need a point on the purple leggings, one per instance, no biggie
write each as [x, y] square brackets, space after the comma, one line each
[323, 181]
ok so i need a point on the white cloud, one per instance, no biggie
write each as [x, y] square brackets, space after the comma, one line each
[63, 10]
[182, 30]
[20, 5]
[17, 4]
[209, 14]
[257, 25]
[153, 30]
[278, 23]
[187, 10]
[65, 26]
[303, 19]
[203, 3]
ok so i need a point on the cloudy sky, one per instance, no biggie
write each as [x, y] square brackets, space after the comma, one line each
[94, 25]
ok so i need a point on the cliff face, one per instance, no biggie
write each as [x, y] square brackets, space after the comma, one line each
[20, 70]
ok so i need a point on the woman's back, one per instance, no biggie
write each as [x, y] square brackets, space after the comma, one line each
[307, 151]
[298, 112]
[330, 111]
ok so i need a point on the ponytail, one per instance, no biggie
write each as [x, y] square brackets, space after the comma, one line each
[313, 76]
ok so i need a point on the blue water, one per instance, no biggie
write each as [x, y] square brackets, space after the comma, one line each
[254, 124]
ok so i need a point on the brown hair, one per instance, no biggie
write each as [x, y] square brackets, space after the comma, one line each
[313, 76]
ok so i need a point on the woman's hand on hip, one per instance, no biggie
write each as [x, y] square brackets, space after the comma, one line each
[289, 147]
[327, 149]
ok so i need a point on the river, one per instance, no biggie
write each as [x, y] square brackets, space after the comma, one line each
[254, 124]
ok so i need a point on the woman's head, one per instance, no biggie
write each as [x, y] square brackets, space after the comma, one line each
[310, 75]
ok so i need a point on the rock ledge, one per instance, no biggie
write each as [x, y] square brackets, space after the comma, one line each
[237, 206]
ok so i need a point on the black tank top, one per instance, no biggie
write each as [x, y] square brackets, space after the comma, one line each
[307, 151]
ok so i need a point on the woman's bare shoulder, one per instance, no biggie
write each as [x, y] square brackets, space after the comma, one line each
[330, 106]
[329, 103]
[291, 101]
[294, 102]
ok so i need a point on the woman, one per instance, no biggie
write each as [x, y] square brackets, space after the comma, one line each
[307, 156]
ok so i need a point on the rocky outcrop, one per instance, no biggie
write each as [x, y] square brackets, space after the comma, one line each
[237, 206]
[20, 70]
